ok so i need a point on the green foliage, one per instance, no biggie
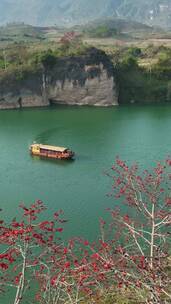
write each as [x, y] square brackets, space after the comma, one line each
[71, 44]
[129, 62]
[156, 51]
[135, 51]
[78, 50]
[102, 31]
[48, 59]
[143, 83]
[20, 32]
[2, 64]
[136, 83]
[162, 69]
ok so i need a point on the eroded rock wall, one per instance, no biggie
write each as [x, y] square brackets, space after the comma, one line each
[97, 91]
[83, 80]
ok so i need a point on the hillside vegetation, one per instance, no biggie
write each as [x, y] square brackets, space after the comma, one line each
[142, 72]
[20, 33]
[117, 28]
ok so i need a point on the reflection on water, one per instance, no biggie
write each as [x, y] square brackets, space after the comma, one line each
[58, 162]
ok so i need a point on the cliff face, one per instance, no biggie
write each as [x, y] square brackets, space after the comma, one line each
[98, 90]
[22, 90]
[83, 80]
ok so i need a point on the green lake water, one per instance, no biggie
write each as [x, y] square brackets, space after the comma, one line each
[97, 135]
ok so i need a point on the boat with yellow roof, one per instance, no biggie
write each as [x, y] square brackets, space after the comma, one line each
[51, 151]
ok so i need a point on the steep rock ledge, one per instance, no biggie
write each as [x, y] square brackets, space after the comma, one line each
[78, 80]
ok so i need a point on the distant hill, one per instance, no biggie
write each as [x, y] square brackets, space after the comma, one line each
[20, 33]
[70, 12]
[113, 27]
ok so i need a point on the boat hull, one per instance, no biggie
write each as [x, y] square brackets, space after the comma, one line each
[53, 156]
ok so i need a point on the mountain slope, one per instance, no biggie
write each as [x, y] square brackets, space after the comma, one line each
[45, 12]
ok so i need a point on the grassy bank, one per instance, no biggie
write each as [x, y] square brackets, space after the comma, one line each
[142, 72]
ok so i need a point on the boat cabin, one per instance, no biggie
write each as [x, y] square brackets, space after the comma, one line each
[51, 151]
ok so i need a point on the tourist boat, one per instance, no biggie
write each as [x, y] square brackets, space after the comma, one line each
[51, 151]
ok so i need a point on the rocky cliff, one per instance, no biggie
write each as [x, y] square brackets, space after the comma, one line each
[78, 80]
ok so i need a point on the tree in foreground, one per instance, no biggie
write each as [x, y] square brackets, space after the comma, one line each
[143, 234]
[26, 245]
[131, 256]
